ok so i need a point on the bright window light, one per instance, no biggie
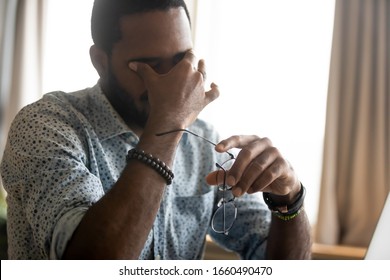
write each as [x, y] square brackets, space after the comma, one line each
[271, 61]
[67, 66]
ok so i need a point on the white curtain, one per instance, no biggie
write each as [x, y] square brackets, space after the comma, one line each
[356, 167]
[21, 27]
[7, 41]
[21, 56]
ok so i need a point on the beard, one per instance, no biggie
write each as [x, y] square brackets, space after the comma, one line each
[124, 102]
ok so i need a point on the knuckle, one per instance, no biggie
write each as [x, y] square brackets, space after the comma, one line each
[191, 53]
[190, 57]
[269, 176]
[274, 151]
[282, 163]
[274, 171]
[236, 138]
[246, 152]
[267, 141]
[198, 75]
[258, 165]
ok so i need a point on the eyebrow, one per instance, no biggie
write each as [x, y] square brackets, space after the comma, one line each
[143, 59]
[154, 59]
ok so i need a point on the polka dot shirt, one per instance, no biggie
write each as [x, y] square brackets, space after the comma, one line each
[65, 151]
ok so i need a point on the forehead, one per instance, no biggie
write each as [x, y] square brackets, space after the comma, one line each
[155, 33]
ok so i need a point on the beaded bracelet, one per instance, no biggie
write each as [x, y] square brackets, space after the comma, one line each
[152, 162]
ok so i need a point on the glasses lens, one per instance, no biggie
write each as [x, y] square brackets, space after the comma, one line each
[224, 217]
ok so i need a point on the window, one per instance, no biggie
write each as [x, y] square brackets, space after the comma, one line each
[271, 61]
[66, 62]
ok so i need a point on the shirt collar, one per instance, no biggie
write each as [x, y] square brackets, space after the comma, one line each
[103, 117]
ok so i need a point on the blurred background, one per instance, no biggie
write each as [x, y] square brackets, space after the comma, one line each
[311, 75]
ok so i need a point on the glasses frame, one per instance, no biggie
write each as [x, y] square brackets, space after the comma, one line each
[221, 205]
[223, 189]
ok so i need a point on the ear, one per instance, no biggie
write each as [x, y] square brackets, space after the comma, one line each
[99, 60]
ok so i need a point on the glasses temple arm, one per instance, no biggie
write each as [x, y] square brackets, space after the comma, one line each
[194, 134]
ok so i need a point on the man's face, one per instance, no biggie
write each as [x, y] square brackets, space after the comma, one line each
[158, 38]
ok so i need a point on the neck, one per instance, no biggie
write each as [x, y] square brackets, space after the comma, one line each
[136, 129]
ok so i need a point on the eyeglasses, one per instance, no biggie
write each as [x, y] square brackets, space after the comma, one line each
[225, 213]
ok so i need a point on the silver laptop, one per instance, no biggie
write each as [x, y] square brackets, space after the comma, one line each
[379, 248]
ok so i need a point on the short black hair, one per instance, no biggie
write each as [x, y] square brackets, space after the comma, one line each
[106, 15]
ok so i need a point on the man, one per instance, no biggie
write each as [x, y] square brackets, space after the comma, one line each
[80, 185]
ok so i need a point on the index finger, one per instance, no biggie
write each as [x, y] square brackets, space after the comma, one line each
[251, 147]
[236, 141]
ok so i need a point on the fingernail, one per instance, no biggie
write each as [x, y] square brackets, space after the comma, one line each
[220, 147]
[231, 181]
[133, 66]
[237, 191]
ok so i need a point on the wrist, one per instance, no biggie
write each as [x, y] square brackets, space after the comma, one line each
[285, 207]
[165, 121]
[155, 163]
[288, 198]
[161, 147]
[157, 125]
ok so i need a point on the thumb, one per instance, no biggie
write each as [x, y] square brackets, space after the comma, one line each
[143, 69]
[215, 178]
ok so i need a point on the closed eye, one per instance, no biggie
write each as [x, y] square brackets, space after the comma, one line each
[178, 57]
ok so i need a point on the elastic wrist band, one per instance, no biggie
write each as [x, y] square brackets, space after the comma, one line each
[289, 217]
[286, 210]
[152, 162]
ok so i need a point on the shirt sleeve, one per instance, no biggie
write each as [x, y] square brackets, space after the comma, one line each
[64, 230]
[45, 171]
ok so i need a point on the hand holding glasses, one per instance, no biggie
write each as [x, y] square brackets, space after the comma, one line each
[225, 213]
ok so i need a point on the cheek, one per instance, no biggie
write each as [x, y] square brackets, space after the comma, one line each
[129, 80]
[133, 83]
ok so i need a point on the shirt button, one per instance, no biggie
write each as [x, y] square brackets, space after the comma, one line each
[158, 257]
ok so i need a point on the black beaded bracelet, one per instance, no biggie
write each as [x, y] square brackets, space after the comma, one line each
[291, 210]
[152, 162]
